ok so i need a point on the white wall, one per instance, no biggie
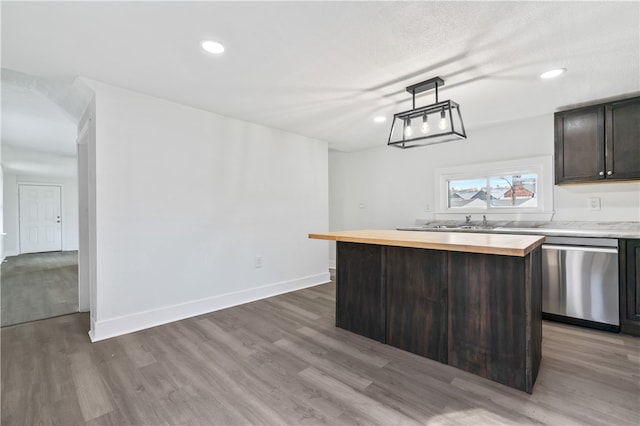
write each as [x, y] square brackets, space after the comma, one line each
[11, 214]
[2, 250]
[387, 187]
[185, 201]
[86, 209]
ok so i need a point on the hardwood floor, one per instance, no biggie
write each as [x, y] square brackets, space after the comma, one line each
[38, 285]
[282, 361]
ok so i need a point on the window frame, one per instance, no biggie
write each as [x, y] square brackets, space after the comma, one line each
[541, 166]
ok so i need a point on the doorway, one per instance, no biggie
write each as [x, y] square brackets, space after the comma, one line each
[41, 178]
[41, 280]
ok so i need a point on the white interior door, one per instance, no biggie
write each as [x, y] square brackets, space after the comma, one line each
[40, 221]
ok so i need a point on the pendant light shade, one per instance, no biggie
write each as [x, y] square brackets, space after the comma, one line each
[427, 125]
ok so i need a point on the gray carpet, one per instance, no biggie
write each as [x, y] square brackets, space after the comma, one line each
[39, 285]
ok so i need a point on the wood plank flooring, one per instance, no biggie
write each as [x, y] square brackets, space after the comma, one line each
[38, 285]
[282, 361]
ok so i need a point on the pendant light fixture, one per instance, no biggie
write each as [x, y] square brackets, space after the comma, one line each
[446, 114]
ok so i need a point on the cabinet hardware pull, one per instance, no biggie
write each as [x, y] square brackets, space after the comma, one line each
[601, 173]
[609, 173]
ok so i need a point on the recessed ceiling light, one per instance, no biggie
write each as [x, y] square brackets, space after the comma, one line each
[553, 73]
[212, 47]
[380, 119]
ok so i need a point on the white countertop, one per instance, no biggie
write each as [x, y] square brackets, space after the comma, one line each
[568, 229]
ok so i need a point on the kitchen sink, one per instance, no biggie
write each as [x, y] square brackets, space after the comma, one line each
[458, 227]
[443, 227]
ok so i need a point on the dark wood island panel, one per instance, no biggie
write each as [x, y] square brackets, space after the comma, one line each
[477, 311]
[495, 324]
[360, 303]
[417, 301]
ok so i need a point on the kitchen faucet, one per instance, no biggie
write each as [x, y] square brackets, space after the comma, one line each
[468, 219]
[484, 221]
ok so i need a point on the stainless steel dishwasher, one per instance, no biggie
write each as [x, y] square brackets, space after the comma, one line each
[580, 281]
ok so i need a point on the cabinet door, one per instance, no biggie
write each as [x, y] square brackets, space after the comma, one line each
[630, 286]
[579, 145]
[623, 139]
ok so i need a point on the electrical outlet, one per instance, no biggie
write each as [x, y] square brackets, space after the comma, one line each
[594, 203]
[258, 262]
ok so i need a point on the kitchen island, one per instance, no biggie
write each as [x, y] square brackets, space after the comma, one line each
[472, 301]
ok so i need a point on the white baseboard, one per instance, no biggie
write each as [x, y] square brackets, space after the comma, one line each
[106, 329]
[10, 253]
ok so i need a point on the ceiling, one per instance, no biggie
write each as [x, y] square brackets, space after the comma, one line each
[39, 124]
[31, 119]
[325, 69]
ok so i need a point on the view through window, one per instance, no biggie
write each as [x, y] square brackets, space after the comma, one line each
[489, 192]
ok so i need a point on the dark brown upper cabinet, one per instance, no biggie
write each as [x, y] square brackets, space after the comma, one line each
[598, 143]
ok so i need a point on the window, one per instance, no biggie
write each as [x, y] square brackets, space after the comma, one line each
[514, 191]
[500, 187]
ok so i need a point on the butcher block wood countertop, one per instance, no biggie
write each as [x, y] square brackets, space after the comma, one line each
[501, 244]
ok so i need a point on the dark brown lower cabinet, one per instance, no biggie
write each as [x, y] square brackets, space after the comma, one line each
[477, 312]
[630, 286]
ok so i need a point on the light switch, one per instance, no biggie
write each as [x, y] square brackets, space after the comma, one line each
[594, 203]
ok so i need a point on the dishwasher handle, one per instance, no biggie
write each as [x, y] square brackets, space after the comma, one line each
[580, 248]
